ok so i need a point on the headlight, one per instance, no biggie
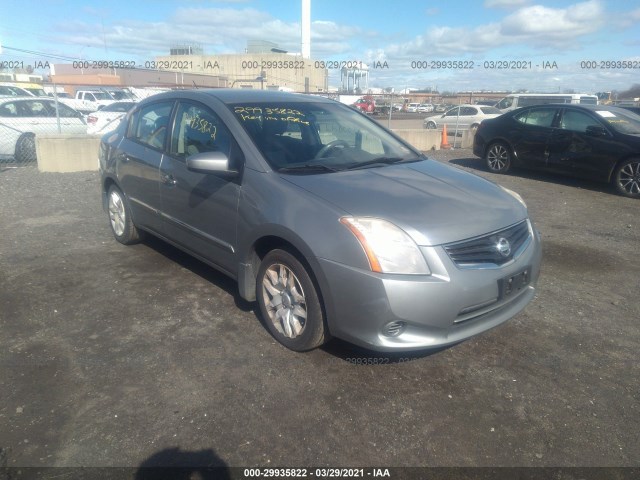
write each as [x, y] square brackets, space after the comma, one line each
[514, 195]
[388, 248]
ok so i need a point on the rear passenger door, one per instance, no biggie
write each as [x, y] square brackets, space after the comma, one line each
[199, 209]
[138, 159]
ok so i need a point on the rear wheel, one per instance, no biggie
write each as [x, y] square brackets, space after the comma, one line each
[626, 178]
[289, 302]
[120, 218]
[26, 148]
[498, 158]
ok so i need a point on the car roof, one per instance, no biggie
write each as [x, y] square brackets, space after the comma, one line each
[233, 95]
[575, 106]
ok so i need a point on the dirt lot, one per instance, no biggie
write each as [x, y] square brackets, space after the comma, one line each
[128, 356]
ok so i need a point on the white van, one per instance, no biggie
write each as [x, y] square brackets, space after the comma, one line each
[516, 100]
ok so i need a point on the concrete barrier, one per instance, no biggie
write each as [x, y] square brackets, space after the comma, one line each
[421, 138]
[463, 140]
[67, 153]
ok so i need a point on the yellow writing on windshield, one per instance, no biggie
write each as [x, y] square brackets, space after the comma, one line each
[271, 114]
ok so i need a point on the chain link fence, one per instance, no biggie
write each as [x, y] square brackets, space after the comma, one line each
[30, 110]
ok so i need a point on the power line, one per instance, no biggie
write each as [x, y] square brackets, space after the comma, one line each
[41, 54]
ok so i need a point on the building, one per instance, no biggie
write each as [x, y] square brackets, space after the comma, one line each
[263, 66]
[70, 76]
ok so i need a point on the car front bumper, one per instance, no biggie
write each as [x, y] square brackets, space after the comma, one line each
[444, 308]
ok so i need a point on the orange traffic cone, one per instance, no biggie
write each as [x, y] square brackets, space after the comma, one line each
[444, 143]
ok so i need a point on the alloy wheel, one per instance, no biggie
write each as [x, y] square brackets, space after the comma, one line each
[498, 158]
[629, 178]
[284, 300]
[116, 213]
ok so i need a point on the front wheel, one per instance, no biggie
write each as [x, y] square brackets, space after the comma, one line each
[289, 302]
[626, 178]
[498, 158]
[430, 126]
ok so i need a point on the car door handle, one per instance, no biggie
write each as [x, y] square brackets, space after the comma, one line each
[168, 179]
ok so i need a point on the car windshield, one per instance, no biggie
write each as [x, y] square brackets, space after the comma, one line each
[621, 121]
[319, 137]
[38, 92]
[102, 96]
[490, 111]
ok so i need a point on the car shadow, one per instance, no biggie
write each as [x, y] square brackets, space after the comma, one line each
[201, 269]
[475, 163]
[176, 464]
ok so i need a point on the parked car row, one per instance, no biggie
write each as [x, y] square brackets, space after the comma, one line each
[462, 117]
[420, 107]
[24, 117]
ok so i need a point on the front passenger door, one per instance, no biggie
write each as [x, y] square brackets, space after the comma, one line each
[199, 209]
[573, 151]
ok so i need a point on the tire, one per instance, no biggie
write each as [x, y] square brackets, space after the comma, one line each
[431, 126]
[26, 148]
[120, 219]
[289, 302]
[498, 158]
[626, 178]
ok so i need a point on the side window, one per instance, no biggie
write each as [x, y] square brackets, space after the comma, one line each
[199, 130]
[39, 109]
[505, 103]
[577, 121]
[65, 112]
[150, 124]
[468, 111]
[540, 117]
[8, 110]
[453, 112]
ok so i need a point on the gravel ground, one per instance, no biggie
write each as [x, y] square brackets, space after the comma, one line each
[129, 356]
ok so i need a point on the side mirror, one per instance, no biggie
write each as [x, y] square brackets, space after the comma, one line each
[596, 131]
[210, 162]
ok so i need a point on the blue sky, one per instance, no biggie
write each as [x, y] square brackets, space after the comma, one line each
[537, 33]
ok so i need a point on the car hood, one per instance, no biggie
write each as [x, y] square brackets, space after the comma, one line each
[434, 203]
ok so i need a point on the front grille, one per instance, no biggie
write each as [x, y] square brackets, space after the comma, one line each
[491, 249]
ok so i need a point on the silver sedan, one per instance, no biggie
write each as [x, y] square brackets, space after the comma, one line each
[333, 225]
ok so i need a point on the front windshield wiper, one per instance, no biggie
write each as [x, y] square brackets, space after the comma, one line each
[382, 161]
[308, 167]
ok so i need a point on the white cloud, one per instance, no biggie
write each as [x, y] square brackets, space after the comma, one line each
[533, 26]
[218, 30]
[538, 22]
